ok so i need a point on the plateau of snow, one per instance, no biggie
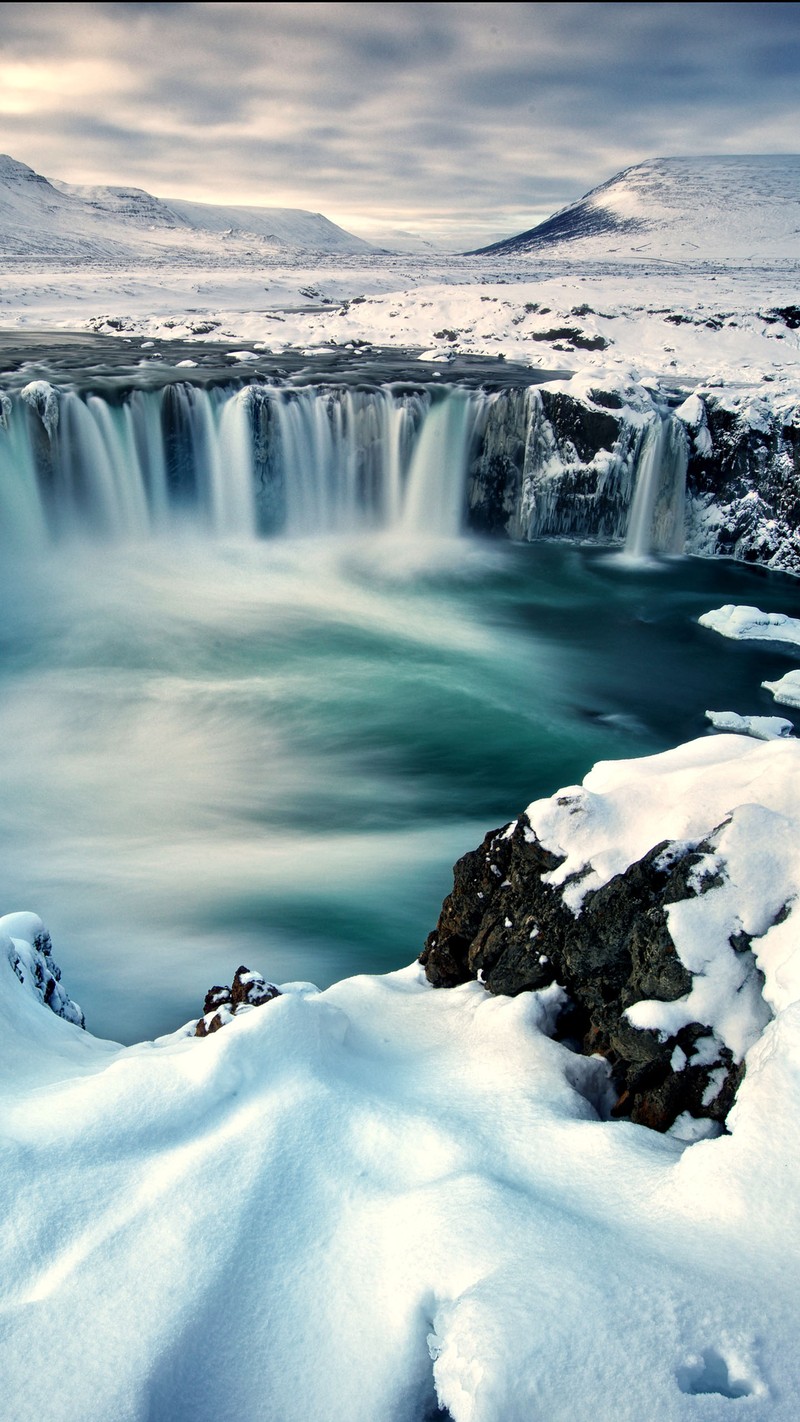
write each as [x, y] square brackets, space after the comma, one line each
[383, 1199]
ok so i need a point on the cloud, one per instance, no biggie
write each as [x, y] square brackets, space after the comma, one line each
[424, 113]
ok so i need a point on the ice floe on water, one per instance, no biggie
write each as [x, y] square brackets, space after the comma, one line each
[786, 689]
[751, 624]
[763, 728]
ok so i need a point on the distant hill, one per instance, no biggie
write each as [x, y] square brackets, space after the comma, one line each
[732, 207]
[48, 219]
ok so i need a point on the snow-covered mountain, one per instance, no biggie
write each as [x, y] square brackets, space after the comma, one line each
[45, 219]
[733, 207]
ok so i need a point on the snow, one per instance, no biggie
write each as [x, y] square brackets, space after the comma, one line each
[786, 689]
[41, 396]
[743, 206]
[708, 324]
[694, 415]
[43, 219]
[764, 728]
[355, 1203]
[750, 623]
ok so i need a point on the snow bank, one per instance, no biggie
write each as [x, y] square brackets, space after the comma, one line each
[352, 1205]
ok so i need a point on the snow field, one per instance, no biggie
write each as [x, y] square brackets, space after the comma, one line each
[717, 336]
[348, 1204]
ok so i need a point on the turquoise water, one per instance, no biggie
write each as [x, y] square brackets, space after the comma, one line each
[272, 752]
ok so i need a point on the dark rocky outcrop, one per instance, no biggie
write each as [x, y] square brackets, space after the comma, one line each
[743, 484]
[551, 465]
[222, 1004]
[506, 925]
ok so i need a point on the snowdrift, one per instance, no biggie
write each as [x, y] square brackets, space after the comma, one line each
[384, 1200]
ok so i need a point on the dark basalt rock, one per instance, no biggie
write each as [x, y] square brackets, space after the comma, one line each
[504, 924]
[221, 1005]
[511, 486]
[587, 430]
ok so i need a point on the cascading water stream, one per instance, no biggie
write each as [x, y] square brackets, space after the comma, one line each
[435, 495]
[213, 743]
[656, 520]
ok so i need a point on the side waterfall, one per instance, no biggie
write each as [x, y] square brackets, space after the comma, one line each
[656, 522]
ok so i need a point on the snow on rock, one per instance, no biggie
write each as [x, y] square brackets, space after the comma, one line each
[637, 892]
[222, 1004]
[694, 415]
[750, 623]
[786, 689]
[29, 949]
[406, 1199]
[763, 728]
[742, 481]
[41, 397]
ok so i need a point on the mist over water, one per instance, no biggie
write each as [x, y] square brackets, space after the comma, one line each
[272, 752]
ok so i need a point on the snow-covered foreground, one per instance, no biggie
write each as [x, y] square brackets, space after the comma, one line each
[346, 1205]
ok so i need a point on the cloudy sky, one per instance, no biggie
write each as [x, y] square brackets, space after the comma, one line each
[463, 121]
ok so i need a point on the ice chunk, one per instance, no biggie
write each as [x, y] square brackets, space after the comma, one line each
[786, 689]
[750, 623]
[763, 728]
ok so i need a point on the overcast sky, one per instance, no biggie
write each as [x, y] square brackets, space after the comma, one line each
[466, 121]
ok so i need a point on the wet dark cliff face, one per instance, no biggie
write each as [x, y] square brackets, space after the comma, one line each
[506, 925]
[548, 465]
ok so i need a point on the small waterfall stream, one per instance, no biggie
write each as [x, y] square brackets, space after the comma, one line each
[656, 521]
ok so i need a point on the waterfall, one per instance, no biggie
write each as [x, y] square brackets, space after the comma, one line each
[125, 469]
[233, 463]
[656, 520]
[266, 459]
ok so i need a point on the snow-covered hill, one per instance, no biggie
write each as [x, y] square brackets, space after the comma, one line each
[734, 207]
[47, 220]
